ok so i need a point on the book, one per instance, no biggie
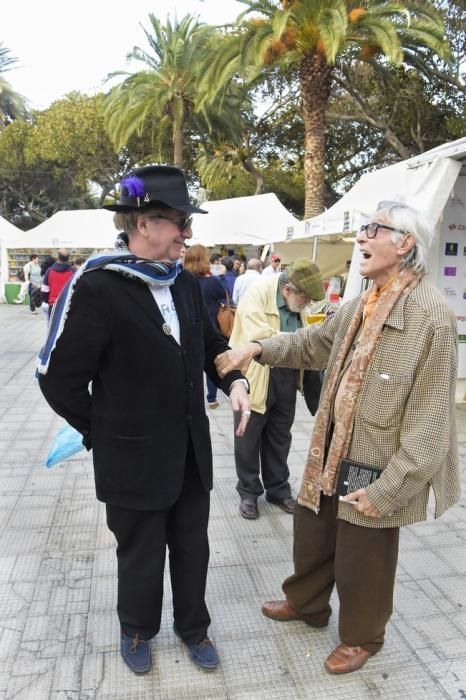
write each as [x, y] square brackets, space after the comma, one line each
[355, 475]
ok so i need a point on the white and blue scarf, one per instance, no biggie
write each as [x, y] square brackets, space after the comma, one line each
[152, 272]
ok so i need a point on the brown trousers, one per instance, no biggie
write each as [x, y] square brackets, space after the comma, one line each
[361, 561]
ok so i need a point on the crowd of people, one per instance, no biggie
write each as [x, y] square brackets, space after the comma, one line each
[134, 332]
[43, 280]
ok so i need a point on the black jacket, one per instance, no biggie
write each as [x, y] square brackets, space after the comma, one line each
[147, 391]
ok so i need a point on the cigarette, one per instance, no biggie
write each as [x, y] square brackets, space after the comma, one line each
[354, 503]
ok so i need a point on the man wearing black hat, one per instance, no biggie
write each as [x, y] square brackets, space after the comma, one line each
[134, 324]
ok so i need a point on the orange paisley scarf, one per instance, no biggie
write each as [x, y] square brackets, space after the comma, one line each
[319, 477]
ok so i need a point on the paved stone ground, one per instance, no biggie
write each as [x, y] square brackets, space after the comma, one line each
[58, 627]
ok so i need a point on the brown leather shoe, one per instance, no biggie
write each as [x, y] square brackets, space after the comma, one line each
[286, 504]
[248, 508]
[279, 610]
[345, 659]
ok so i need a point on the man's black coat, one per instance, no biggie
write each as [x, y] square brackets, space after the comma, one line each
[147, 391]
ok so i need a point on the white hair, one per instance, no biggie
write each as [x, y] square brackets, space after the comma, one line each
[406, 219]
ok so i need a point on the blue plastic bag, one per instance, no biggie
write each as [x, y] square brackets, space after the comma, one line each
[67, 442]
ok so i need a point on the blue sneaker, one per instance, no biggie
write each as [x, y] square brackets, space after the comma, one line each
[204, 655]
[136, 653]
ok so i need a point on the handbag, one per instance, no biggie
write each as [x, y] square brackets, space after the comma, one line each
[226, 316]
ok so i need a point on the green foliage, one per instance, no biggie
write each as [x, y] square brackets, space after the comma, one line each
[167, 90]
[30, 192]
[12, 104]
[71, 133]
[318, 37]
[286, 183]
[230, 100]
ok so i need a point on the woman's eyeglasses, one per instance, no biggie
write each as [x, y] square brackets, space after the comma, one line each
[181, 222]
[371, 230]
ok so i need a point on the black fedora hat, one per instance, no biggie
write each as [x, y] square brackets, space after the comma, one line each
[152, 185]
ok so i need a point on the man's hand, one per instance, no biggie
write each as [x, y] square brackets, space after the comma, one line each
[362, 504]
[240, 406]
[239, 358]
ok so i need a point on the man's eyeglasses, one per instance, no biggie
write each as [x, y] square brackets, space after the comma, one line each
[181, 222]
[371, 230]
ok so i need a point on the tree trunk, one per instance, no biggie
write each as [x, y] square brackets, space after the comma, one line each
[314, 80]
[258, 179]
[178, 147]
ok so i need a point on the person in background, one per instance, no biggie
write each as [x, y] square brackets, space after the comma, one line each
[274, 267]
[34, 279]
[230, 275]
[77, 262]
[215, 259]
[243, 282]
[47, 261]
[183, 253]
[272, 306]
[134, 325]
[197, 263]
[56, 278]
[388, 401]
[237, 260]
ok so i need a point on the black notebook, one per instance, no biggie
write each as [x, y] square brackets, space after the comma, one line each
[355, 475]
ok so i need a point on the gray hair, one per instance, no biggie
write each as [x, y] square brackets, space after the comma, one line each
[255, 264]
[127, 221]
[406, 219]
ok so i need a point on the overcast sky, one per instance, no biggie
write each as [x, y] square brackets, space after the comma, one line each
[64, 46]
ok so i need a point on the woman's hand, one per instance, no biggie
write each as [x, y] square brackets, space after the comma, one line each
[239, 358]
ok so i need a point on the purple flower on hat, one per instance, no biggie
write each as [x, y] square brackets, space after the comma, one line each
[134, 186]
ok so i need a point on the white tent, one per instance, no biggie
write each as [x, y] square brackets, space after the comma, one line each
[243, 220]
[8, 233]
[84, 228]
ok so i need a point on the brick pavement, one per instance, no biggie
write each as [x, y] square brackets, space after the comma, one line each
[58, 627]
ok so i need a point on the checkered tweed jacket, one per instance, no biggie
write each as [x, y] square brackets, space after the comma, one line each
[405, 414]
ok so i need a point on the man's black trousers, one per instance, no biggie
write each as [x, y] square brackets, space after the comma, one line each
[142, 538]
[265, 446]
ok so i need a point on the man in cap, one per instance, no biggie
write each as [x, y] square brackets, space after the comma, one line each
[269, 307]
[274, 267]
[134, 324]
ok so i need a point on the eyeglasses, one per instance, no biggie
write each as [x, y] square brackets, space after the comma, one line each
[182, 222]
[371, 230]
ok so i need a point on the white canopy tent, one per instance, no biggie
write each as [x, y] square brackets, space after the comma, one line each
[83, 228]
[253, 220]
[8, 233]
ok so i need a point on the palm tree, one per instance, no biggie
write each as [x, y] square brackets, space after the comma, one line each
[314, 36]
[12, 104]
[166, 92]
